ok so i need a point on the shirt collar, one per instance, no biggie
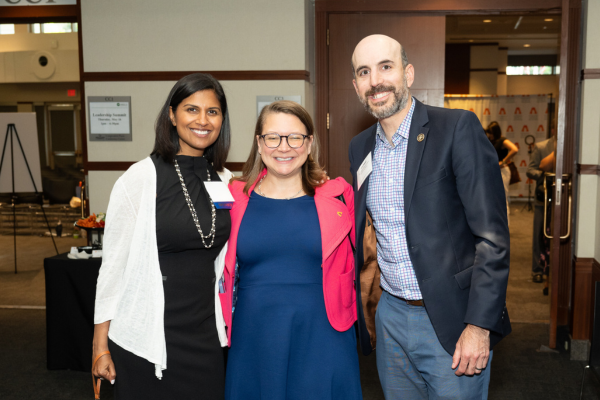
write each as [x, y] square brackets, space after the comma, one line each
[403, 129]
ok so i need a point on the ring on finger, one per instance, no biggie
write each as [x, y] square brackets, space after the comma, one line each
[478, 369]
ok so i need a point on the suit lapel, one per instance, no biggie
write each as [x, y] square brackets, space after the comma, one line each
[416, 145]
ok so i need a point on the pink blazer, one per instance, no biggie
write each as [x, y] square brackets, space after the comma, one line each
[337, 227]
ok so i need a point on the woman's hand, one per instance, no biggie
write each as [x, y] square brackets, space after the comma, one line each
[104, 368]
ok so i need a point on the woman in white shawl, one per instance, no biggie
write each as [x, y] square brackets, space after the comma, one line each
[159, 326]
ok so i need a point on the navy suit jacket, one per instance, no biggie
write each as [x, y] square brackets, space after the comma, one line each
[456, 223]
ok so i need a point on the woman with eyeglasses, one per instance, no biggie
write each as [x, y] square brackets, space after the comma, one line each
[289, 270]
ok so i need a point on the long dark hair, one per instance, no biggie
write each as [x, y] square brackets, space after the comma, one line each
[312, 173]
[166, 143]
[494, 130]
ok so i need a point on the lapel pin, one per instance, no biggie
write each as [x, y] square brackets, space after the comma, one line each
[339, 213]
[421, 137]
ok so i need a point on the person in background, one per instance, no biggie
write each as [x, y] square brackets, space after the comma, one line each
[506, 150]
[292, 335]
[159, 326]
[543, 160]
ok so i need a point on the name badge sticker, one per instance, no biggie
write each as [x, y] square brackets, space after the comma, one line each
[364, 170]
[219, 194]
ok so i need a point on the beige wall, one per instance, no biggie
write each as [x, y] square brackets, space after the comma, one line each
[532, 84]
[484, 82]
[587, 241]
[22, 40]
[484, 56]
[12, 93]
[148, 97]
[100, 184]
[192, 35]
[502, 78]
[19, 54]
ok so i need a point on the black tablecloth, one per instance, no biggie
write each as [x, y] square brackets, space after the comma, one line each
[70, 295]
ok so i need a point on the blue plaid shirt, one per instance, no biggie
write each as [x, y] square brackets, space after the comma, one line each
[385, 201]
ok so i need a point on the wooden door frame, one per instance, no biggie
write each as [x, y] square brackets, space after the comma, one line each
[570, 71]
[569, 98]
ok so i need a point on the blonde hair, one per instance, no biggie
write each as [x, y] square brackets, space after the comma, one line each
[312, 173]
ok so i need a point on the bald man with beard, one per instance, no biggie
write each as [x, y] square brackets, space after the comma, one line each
[432, 245]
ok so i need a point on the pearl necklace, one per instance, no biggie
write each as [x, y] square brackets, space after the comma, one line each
[264, 195]
[188, 200]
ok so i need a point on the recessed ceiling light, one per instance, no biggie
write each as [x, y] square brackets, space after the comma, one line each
[549, 19]
[526, 45]
[487, 20]
[471, 40]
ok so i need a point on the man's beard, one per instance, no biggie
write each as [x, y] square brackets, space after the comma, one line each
[401, 97]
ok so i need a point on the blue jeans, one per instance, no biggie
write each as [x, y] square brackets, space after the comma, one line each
[411, 362]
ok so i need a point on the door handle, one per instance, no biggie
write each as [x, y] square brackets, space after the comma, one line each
[559, 182]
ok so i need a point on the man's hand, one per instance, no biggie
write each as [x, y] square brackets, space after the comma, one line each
[472, 351]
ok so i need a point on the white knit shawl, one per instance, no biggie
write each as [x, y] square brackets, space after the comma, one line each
[129, 291]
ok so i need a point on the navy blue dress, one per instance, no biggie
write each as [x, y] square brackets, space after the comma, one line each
[283, 346]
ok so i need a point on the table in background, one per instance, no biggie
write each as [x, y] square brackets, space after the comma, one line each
[70, 296]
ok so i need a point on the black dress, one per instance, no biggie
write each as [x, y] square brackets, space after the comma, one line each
[500, 149]
[195, 365]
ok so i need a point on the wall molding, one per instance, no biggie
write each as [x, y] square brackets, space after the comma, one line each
[107, 165]
[590, 73]
[274, 75]
[124, 165]
[235, 166]
[588, 169]
[469, 7]
[39, 14]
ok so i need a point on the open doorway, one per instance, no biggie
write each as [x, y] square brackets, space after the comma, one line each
[505, 68]
[513, 55]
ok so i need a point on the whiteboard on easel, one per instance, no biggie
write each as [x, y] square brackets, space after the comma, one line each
[26, 128]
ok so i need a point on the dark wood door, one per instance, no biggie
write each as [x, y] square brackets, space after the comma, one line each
[423, 38]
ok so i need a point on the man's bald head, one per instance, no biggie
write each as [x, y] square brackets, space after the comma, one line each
[377, 46]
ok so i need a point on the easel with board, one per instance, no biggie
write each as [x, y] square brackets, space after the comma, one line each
[22, 185]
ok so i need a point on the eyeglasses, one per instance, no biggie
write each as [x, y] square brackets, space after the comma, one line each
[273, 140]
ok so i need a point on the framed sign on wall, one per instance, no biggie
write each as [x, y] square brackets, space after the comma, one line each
[263, 101]
[109, 118]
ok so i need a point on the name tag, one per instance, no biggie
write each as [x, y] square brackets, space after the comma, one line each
[364, 170]
[219, 194]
